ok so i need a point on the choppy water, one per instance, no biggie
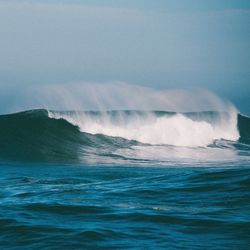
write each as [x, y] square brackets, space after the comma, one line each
[118, 207]
[61, 187]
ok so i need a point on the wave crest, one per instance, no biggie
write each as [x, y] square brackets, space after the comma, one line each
[118, 136]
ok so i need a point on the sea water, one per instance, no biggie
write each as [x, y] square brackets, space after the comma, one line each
[124, 179]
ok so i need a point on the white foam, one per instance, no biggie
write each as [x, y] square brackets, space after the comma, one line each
[177, 130]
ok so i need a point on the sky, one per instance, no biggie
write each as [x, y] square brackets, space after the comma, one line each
[164, 44]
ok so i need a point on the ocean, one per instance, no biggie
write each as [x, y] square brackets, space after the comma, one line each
[124, 179]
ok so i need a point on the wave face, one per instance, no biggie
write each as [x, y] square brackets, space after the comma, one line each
[93, 136]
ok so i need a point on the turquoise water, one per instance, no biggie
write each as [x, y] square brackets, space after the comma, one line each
[63, 188]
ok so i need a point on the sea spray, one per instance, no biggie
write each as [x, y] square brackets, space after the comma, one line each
[116, 96]
[123, 96]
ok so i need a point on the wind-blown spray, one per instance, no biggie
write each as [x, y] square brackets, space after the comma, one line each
[125, 120]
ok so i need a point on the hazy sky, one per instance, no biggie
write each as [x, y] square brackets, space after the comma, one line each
[162, 44]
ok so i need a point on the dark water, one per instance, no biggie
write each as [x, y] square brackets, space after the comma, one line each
[118, 207]
[61, 188]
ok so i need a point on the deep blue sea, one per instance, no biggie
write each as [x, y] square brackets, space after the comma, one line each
[124, 180]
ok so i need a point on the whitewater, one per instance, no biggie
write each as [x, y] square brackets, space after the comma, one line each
[157, 128]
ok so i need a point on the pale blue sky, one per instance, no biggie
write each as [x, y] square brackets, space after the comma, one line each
[162, 44]
[173, 5]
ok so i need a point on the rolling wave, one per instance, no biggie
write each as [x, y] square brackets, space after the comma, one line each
[41, 135]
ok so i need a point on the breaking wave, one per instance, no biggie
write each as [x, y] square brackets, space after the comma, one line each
[190, 129]
[95, 136]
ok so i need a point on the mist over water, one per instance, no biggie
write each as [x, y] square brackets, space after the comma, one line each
[123, 96]
[116, 96]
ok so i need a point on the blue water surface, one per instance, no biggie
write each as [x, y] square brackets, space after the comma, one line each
[76, 206]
